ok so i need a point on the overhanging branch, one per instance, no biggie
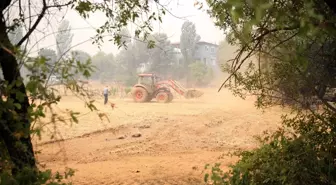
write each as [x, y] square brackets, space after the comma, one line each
[39, 18]
[258, 39]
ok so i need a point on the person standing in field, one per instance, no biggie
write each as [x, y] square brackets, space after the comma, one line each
[105, 92]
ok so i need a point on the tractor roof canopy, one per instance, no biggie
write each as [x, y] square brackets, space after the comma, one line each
[146, 75]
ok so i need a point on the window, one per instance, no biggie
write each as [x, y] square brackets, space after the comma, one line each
[212, 49]
[206, 48]
[180, 61]
[146, 80]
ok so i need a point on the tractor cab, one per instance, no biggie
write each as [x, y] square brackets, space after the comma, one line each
[148, 79]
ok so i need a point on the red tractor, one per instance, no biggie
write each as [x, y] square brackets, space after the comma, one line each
[150, 86]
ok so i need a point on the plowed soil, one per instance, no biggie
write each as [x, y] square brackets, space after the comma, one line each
[173, 141]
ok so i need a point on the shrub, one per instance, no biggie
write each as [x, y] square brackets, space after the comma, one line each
[301, 158]
[200, 73]
[113, 91]
[128, 89]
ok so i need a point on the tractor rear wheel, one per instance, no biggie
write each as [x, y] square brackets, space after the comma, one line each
[162, 97]
[140, 95]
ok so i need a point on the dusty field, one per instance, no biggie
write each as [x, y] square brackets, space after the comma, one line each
[177, 139]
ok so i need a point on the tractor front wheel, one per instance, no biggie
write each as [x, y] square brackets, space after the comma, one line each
[162, 97]
[140, 95]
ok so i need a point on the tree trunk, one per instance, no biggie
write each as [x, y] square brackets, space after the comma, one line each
[331, 4]
[15, 123]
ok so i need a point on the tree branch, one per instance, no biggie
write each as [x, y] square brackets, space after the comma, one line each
[267, 31]
[39, 18]
[258, 39]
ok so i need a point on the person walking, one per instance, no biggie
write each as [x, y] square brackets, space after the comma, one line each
[106, 91]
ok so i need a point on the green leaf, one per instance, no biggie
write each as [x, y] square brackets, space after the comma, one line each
[73, 116]
[20, 96]
[17, 105]
[151, 44]
[206, 177]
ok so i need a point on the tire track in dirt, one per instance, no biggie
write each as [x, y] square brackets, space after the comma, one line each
[172, 149]
[167, 135]
[162, 181]
[154, 141]
[165, 181]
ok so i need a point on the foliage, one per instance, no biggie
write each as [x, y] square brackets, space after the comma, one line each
[225, 53]
[291, 48]
[81, 56]
[131, 80]
[140, 54]
[128, 61]
[105, 66]
[63, 39]
[37, 89]
[304, 157]
[126, 37]
[49, 55]
[287, 44]
[157, 57]
[113, 91]
[178, 71]
[128, 90]
[188, 41]
[201, 73]
[42, 177]
[161, 56]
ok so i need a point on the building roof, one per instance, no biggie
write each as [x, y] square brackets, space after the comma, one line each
[146, 74]
[208, 43]
[200, 42]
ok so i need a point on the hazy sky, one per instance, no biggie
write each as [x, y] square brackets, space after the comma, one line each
[84, 29]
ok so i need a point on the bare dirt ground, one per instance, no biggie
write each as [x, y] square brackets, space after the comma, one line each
[176, 141]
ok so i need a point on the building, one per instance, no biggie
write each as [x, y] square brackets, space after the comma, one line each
[205, 52]
[177, 59]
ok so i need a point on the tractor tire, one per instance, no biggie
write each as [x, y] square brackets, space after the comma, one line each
[162, 97]
[171, 97]
[140, 95]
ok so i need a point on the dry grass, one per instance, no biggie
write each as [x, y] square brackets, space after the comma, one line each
[177, 139]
